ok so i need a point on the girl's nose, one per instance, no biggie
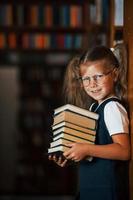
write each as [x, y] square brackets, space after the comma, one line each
[93, 83]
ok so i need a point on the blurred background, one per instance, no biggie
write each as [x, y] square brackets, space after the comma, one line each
[37, 40]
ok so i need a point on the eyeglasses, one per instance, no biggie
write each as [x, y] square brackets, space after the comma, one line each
[99, 78]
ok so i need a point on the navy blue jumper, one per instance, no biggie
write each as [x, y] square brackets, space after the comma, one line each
[103, 179]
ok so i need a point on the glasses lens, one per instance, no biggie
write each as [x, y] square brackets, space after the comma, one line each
[99, 78]
[86, 81]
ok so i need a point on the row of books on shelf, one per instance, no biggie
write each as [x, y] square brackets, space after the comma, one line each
[72, 124]
[41, 41]
[48, 15]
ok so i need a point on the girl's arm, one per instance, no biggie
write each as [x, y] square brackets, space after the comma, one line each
[118, 150]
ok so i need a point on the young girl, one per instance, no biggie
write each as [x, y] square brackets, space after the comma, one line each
[99, 73]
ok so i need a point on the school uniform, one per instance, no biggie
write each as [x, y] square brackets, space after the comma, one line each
[104, 179]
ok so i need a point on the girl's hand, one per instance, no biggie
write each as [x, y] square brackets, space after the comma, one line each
[77, 152]
[58, 160]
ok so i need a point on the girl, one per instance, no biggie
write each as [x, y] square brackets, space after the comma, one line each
[99, 73]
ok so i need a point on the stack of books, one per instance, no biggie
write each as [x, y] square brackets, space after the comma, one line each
[72, 124]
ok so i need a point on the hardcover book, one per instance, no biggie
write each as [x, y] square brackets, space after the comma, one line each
[76, 109]
[59, 148]
[63, 140]
[73, 126]
[71, 138]
[77, 133]
[78, 119]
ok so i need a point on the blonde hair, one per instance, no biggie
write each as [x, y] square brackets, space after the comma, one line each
[73, 91]
[120, 51]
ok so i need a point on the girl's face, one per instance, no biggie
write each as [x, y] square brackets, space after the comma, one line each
[98, 80]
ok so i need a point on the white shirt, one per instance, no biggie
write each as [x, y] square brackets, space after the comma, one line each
[116, 118]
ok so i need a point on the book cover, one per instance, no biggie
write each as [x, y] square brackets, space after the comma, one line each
[119, 13]
[12, 40]
[48, 16]
[33, 15]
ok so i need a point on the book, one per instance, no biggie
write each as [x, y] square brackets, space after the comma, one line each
[78, 134]
[66, 138]
[60, 148]
[119, 13]
[77, 110]
[60, 141]
[76, 118]
[73, 126]
[73, 138]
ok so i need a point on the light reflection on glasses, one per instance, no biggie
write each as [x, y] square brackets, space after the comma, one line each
[99, 78]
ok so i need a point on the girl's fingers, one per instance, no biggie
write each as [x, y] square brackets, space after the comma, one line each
[50, 157]
[70, 144]
[64, 163]
[55, 158]
[58, 160]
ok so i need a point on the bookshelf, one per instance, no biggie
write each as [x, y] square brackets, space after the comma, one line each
[42, 26]
[40, 37]
[116, 22]
[63, 25]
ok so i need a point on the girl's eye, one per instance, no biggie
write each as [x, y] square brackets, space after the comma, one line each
[86, 79]
[98, 77]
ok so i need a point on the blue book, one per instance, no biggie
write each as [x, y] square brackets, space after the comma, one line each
[65, 16]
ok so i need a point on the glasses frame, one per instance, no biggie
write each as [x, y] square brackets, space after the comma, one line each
[96, 78]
